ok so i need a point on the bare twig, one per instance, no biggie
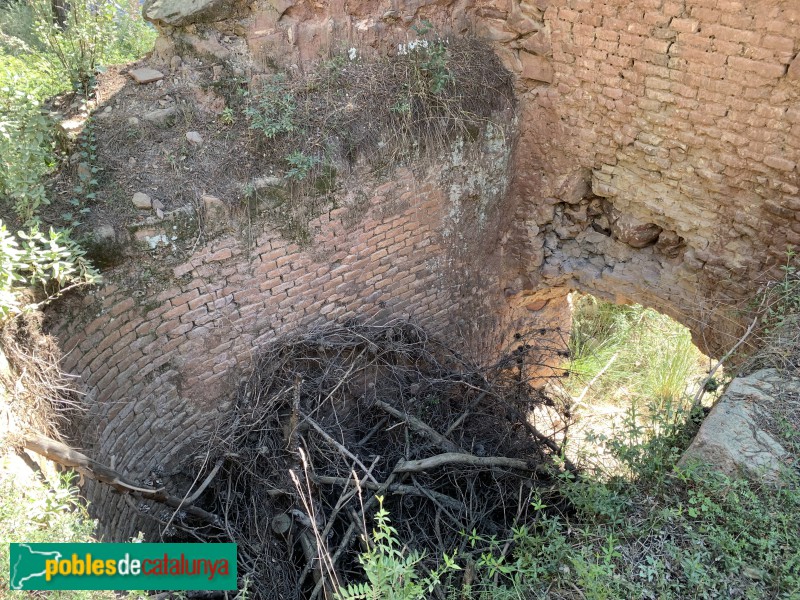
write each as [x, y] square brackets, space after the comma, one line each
[421, 428]
[700, 392]
[395, 488]
[457, 458]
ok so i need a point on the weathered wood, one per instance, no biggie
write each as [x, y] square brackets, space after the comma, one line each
[457, 458]
[420, 427]
[395, 488]
[69, 457]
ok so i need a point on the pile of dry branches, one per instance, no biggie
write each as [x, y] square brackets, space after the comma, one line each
[447, 443]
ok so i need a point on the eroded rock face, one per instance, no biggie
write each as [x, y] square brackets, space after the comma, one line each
[738, 437]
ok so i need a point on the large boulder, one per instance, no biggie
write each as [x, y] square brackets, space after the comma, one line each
[178, 13]
[740, 436]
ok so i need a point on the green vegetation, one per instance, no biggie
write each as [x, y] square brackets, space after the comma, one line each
[40, 57]
[384, 110]
[85, 190]
[648, 358]
[52, 262]
[38, 511]
[779, 304]
[392, 573]
[26, 152]
[54, 55]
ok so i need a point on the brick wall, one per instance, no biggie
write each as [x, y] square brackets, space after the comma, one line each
[158, 367]
[679, 114]
[655, 161]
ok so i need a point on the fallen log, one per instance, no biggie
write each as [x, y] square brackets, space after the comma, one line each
[69, 457]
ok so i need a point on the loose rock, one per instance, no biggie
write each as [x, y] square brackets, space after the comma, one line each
[145, 75]
[215, 211]
[733, 438]
[142, 201]
[161, 116]
[104, 233]
[194, 138]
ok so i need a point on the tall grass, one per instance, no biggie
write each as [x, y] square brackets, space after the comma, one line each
[648, 358]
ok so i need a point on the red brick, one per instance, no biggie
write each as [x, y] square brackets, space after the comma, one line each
[778, 42]
[732, 35]
[191, 315]
[780, 163]
[770, 70]
[200, 300]
[184, 298]
[121, 307]
[685, 25]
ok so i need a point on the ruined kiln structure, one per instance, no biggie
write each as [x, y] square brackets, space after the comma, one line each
[651, 157]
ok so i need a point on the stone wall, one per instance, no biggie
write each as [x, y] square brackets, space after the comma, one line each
[160, 355]
[658, 163]
[658, 140]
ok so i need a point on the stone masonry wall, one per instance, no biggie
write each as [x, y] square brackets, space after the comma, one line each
[660, 163]
[655, 160]
[658, 140]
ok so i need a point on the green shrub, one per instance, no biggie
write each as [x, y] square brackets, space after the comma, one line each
[392, 572]
[274, 109]
[36, 512]
[96, 33]
[26, 152]
[300, 165]
[52, 262]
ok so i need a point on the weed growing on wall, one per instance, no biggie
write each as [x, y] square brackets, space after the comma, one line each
[384, 110]
[779, 312]
[380, 112]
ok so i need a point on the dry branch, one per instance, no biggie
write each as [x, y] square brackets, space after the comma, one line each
[395, 488]
[457, 458]
[69, 457]
[420, 427]
[337, 396]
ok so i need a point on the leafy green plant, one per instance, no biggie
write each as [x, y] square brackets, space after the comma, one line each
[227, 116]
[26, 152]
[300, 165]
[274, 109]
[52, 262]
[77, 46]
[85, 189]
[392, 572]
